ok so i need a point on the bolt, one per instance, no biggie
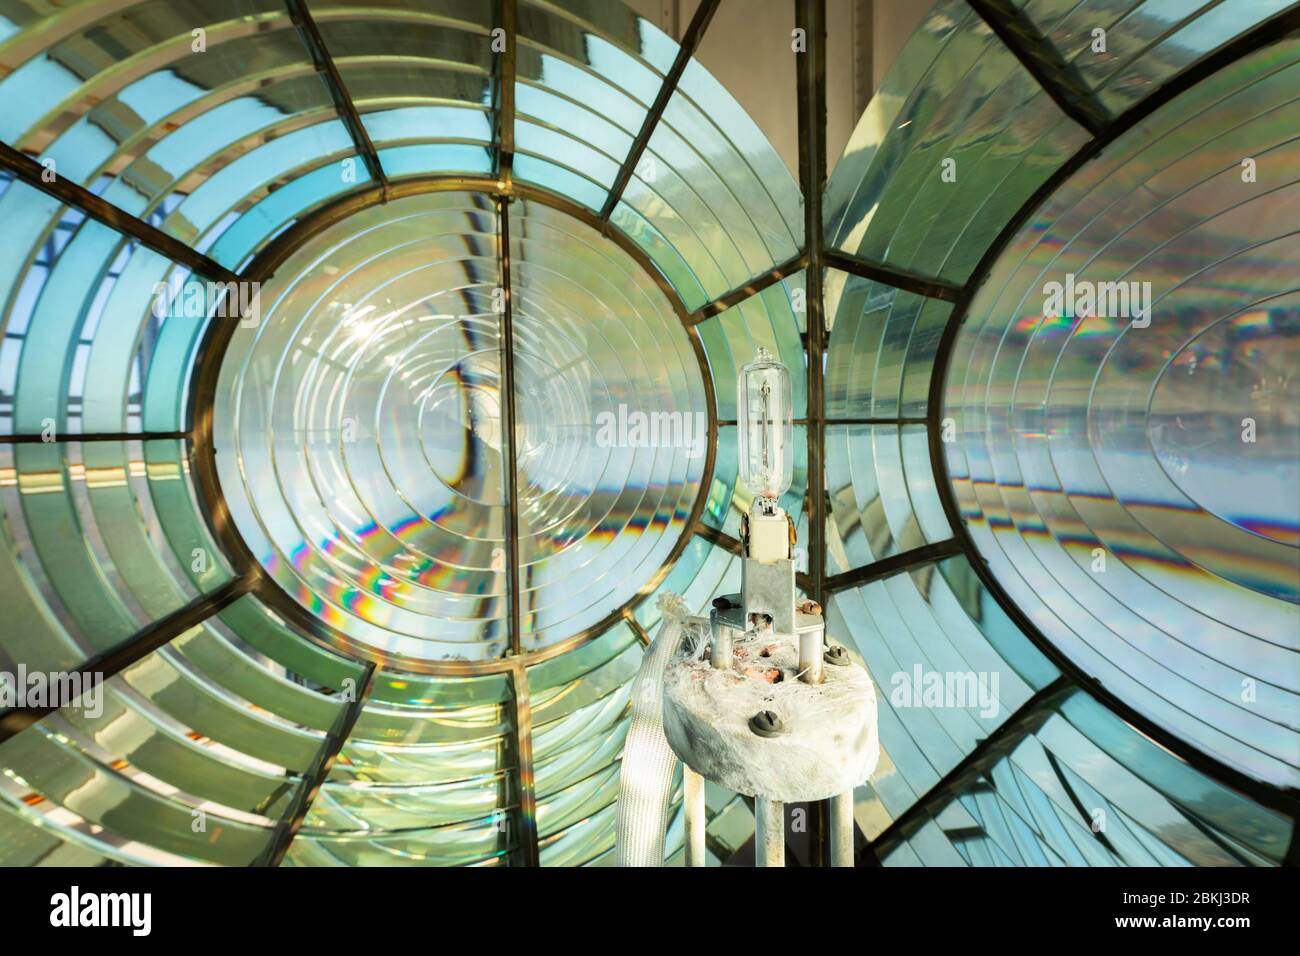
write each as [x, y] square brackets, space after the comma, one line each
[835, 654]
[766, 724]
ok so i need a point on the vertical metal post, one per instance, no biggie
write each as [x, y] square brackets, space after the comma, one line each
[503, 95]
[720, 650]
[842, 829]
[812, 650]
[810, 16]
[719, 642]
[769, 833]
[693, 806]
[509, 438]
[529, 854]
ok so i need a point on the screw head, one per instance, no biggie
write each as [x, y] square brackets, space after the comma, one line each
[837, 655]
[766, 723]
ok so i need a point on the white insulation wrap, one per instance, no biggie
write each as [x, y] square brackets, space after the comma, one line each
[828, 743]
[646, 778]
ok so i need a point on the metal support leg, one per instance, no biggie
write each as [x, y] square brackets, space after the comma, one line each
[719, 642]
[769, 835]
[812, 645]
[842, 829]
[693, 800]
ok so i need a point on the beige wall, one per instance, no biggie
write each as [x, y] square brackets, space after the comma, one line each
[747, 47]
[894, 22]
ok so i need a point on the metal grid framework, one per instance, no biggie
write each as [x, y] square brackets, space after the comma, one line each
[1029, 47]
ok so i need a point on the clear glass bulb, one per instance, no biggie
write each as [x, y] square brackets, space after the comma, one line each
[766, 410]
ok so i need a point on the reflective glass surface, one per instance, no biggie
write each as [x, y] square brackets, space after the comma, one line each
[428, 777]
[882, 351]
[1130, 484]
[950, 668]
[1121, 50]
[379, 366]
[361, 461]
[1076, 786]
[882, 495]
[956, 139]
[1128, 465]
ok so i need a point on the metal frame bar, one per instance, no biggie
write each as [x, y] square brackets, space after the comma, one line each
[506, 342]
[316, 774]
[751, 288]
[831, 259]
[897, 278]
[720, 538]
[1058, 79]
[503, 94]
[264, 265]
[1262, 35]
[715, 536]
[894, 564]
[29, 171]
[1027, 719]
[811, 103]
[1055, 763]
[810, 16]
[71, 437]
[144, 642]
[843, 421]
[642, 634]
[690, 42]
[529, 853]
[347, 110]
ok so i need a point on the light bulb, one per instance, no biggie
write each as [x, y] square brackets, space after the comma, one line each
[766, 411]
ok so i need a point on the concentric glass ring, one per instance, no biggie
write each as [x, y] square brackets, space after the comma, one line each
[1124, 404]
[358, 428]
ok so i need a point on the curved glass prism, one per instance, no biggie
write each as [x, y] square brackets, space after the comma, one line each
[1127, 431]
[334, 584]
